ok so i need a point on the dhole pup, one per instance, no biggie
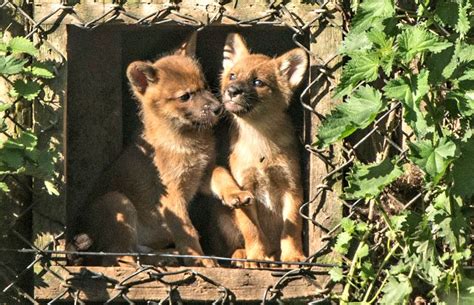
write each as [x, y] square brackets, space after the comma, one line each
[141, 202]
[264, 154]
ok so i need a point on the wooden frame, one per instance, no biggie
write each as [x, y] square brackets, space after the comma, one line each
[107, 142]
[244, 285]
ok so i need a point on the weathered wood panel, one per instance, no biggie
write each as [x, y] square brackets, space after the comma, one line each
[244, 284]
[326, 210]
[93, 110]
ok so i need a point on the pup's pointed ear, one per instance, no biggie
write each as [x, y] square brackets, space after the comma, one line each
[292, 66]
[188, 48]
[234, 49]
[141, 75]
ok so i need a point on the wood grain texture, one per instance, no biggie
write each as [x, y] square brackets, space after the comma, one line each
[326, 210]
[243, 284]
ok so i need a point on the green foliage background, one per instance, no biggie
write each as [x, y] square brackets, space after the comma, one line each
[418, 55]
[27, 76]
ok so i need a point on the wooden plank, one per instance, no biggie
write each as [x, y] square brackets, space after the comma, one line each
[327, 209]
[244, 284]
[93, 111]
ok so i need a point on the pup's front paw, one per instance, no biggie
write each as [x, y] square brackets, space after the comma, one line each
[238, 199]
[80, 242]
[293, 257]
[256, 254]
[202, 262]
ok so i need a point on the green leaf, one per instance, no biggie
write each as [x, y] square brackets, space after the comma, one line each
[10, 160]
[44, 163]
[447, 12]
[342, 243]
[465, 296]
[416, 40]
[22, 45]
[463, 25]
[449, 222]
[384, 48]
[363, 67]
[13, 153]
[371, 12]
[4, 187]
[442, 65]
[355, 42]
[27, 89]
[410, 91]
[362, 227]
[367, 271]
[463, 170]
[348, 225]
[28, 140]
[41, 69]
[4, 106]
[336, 274]
[363, 251]
[466, 52]
[396, 291]
[51, 188]
[10, 65]
[357, 113]
[433, 159]
[468, 75]
[367, 181]
[464, 102]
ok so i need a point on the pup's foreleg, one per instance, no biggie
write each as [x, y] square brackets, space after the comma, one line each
[224, 186]
[291, 239]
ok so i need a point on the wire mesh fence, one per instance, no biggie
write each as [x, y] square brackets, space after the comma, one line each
[382, 137]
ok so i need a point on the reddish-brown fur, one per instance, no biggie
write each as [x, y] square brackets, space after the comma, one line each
[264, 157]
[141, 201]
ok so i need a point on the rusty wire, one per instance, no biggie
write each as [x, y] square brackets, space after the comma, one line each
[276, 14]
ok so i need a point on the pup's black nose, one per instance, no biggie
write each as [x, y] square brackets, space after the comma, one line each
[235, 90]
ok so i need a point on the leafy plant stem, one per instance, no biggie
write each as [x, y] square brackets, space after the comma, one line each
[388, 223]
[379, 270]
[377, 293]
[353, 268]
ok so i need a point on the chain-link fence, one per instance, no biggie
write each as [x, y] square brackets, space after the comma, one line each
[381, 138]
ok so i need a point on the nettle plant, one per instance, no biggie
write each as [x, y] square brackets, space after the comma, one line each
[25, 78]
[415, 58]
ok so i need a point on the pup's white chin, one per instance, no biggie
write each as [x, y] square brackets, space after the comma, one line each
[233, 107]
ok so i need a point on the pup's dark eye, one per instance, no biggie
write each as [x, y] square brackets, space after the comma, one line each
[185, 97]
[258, 83]
[232, 76]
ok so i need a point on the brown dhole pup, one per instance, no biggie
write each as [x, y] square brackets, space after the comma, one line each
[141, 202]
[264, 154]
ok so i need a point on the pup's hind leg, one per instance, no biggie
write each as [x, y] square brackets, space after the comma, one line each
[185, 236]
[112, 225]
